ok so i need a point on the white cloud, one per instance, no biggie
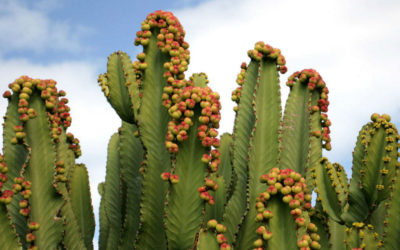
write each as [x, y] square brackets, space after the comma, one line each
[353, 44]
[30, 28]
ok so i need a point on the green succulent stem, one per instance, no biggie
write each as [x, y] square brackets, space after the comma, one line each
[153, 121]
[184, 211]
[264, 144]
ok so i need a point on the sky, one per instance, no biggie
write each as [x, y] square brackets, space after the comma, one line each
[354, 45]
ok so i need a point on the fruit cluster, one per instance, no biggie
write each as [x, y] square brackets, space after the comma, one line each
[261, 51]
[236, 94]
[219, 230]
[293, 189]
[314, 81]
[23, 187]
[3, 172]
[59, 172]
[169, 40]
[209, 185]
[183, 111]
[264, 51]
[172, 178]
[195, 103]
[56, 109]
[74, 144]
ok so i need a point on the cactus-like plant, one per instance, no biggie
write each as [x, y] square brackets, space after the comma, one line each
[253, 188]
[207, 180]
[44, 195]
[368, 204]
[172, 184]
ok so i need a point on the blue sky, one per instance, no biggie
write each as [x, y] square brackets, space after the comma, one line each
[90, 29]
[353, 44]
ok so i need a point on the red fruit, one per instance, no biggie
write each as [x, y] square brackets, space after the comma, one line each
[7, 94]
[315, 245]
[16, 188]
[264, 178]
[213, 132]
[168, 144]
[302, 243]
[212, 223]
[188, 113]
[215, 142]
[26, 194]
[267, 214]
[215, 153]
[23, 203]
[328, 146]
[286, 190]
[259, 217]
[207, 142]
[316, 133]
[300, 221]
[278, 186]
[206, 158]
[267, 235]
[258, 243]
[210, 183]
[260, 230]
[30, 237]
[288, 181]
[33, 226]
[265, 195]
[24, 118]
[174, 179]
[287, 198]
[202, 128]
[314, 108]
[205, 196]
[299, 196]
[221, 238]
[204, 119]
[182, 136]
[3, 177]
[271, 180]
[225, 246]
[24, 211]
[307, 205]
[272, 190]
[20, 135]
[220, 228]
[215, 163]
[294, 204]
[312, 227]
[296, 189]
[27, 184]
[315, 237]
[165, 176]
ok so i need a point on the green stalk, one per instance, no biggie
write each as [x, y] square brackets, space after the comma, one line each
[131, 153]
[244, 122]
[45, 202]
[184, 210]
[153, 123]
[263, 153]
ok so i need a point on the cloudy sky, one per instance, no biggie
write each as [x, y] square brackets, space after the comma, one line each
[353, 44]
